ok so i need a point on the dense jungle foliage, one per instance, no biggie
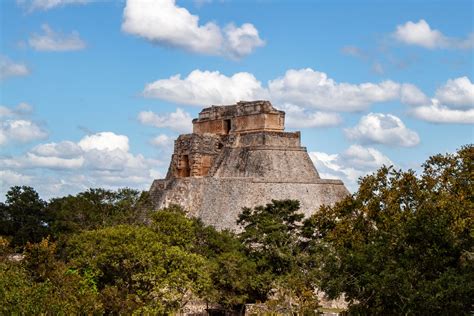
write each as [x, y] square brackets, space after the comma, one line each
[402, 244]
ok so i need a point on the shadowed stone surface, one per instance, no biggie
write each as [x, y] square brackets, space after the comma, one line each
[239, 156]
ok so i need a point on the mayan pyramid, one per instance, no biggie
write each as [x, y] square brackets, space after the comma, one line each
[240, 156]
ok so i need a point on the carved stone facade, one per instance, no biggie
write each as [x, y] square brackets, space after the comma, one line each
[239, 156]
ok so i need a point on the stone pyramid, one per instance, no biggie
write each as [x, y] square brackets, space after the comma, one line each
[240, 156]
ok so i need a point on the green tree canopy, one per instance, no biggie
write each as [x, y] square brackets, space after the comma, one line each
[402, 244]
[96, 208]
[23, 216]
[135, 270]
[271, 235]
[39, 284]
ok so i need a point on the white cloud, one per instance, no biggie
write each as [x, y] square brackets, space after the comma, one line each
[32, 5]
[298, 117]
[9, 68]
[111, 160]
[241, 41]
[5, 111]
[178, 121]
[458, 93]
[164, 142]
[10, 178]
[104, 141]
[437, 113]
[64, 149]
[453, 103]
[315, 89]
[306, 90]
[3, 138]
[34, 161]
[378, 128]
[203, 88]
[364, 158]
[163, 22]
[421, 34]
[22, 131]
[98, 160]
[105, 151]
[54, 41]
[354, 162]
[303, 87]
[411, 95]
[16, 128]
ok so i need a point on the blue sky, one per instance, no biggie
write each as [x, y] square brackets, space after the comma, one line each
[92, 93]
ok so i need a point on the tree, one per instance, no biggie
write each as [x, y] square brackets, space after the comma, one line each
[173, 228]
[39, 284]
[402, 244]
[232, 271]
[272, 236]
[96, 208]
[23, 216]
[136, 272]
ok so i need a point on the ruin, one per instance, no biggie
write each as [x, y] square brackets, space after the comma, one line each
[240, 156]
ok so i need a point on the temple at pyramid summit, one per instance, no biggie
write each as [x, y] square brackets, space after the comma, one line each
[240, 156]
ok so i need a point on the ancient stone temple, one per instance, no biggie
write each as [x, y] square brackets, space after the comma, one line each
[240, 156]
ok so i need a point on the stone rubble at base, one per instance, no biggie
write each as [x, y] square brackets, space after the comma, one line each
[240, 156]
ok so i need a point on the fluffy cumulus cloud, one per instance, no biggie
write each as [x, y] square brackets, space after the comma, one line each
[378, 128]
[9, 68]
[301, 91]
[421, 34]
[97, 160]
[53, 41]
[364, 158]
[306, 88]
[32, 160]
[202, 88]
[438, 113]
[64, 149]
[458, 93]
[22, 131]
[16, 127]
[178, 121]
[411, 95]
[315, 89]
[453, 103]
[32, 5]
[309, 96]
[355, 162]
[241, 41]
[164, 22]
[10, 178]
[104, 141]
[164, 143]
[298, 117]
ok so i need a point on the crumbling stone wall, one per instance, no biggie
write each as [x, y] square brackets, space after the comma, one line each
[193, 155]
[240, 118]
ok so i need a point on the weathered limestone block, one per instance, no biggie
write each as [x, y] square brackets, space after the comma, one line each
[239, 156]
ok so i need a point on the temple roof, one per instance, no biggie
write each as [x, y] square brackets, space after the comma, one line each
[241, 108]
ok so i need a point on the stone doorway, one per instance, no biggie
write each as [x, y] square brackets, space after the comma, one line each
[227, 126]
[184, 170]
